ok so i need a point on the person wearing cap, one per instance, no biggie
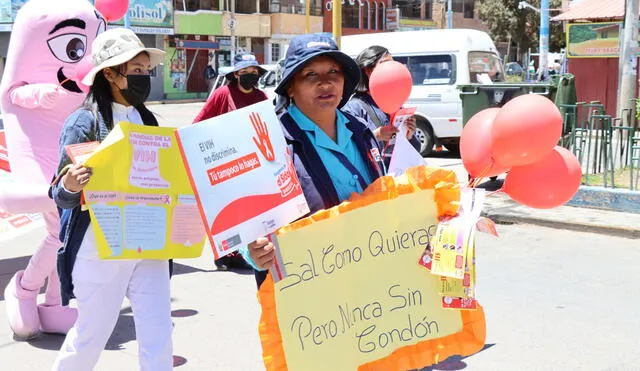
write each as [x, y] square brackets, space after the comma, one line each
[119, 85]
[241, 91]
[335, 154]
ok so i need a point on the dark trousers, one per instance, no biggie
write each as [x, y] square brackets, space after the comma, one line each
[260, 277]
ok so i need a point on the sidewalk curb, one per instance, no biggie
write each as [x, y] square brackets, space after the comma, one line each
[511, 218]
[176, 101]
[615, 199]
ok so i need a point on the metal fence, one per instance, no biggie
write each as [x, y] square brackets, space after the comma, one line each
[607, 147]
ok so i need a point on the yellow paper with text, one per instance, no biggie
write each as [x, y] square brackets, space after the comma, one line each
[141, 202]
[370, 296]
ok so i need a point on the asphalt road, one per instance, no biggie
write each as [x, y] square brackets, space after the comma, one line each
[554, 300]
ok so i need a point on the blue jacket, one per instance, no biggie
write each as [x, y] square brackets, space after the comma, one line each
[317, 187]
[315, 181]
[356, 107]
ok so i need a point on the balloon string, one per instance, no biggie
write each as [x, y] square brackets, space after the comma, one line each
[501, 190]
[474, 182]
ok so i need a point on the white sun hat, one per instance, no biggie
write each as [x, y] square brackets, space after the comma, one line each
[115, 47]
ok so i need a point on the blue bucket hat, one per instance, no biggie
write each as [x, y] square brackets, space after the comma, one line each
[303, 48]
[244, 60]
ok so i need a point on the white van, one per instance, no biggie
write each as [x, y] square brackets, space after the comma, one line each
[438, 60]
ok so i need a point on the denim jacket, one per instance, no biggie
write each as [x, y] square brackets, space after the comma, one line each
[360, 105]
[81, 126]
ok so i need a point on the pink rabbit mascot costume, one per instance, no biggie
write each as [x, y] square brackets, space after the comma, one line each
[48, 40]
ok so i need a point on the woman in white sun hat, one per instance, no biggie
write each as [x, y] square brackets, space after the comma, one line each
[120, 85]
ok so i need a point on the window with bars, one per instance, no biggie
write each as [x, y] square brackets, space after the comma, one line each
[275, 52]
[467, 7]
[295, 7]
[350, 15]
[194, 5]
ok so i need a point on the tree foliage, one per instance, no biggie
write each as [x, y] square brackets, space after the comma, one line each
[504, 19]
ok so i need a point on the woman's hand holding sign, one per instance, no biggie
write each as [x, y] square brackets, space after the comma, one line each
[262, 252]
[410, 124]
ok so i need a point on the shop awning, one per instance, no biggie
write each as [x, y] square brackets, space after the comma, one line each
[592, 10]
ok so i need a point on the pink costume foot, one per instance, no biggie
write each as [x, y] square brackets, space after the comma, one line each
[56, 319]
[22, 309]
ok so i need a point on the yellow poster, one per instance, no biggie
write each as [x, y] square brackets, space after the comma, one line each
[350, 294]
[141, 202]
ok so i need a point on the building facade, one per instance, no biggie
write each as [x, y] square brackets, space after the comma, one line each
[364, 16]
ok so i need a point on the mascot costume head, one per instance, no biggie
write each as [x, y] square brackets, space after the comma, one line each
[48, 41]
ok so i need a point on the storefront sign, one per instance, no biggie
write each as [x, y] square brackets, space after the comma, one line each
[6, 14]
[197, 44]
[150, 16]
[593, 40]
[393, 15]
[417, 23]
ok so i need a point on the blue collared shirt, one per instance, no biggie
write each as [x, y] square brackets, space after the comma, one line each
[343, 180]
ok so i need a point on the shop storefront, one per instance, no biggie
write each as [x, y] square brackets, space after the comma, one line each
[189, 51]
[203, 38]
[151, 20]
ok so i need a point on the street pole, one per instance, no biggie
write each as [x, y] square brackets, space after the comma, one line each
[628, 58]
[307, 25]
[449, 14]
[336, 21]
[233, 30]
[543, 50]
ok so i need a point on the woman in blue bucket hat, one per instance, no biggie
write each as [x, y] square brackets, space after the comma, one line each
[334, 153]
[240, 92]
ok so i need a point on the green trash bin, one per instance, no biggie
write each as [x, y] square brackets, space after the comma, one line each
[476, 97]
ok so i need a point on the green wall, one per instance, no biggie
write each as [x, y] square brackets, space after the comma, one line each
[198, 23]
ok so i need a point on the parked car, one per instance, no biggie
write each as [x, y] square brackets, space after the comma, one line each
[514, 72]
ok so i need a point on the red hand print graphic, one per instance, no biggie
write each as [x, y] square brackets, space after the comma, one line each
[262, 140]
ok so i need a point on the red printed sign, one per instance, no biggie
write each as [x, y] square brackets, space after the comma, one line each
[4, 154]
[233, 168]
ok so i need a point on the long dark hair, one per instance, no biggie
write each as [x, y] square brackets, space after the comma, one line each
[99, 100]
[368, 58]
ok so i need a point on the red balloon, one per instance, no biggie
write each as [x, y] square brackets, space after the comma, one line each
[112, 10]
[525, 130]
[476, 143]
[547, 183]
[390, 85]
[82, 68]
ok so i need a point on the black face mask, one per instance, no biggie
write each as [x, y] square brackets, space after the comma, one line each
[138, 89]
[248, 80]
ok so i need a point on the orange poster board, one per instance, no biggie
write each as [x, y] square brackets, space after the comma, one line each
[339, 300]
